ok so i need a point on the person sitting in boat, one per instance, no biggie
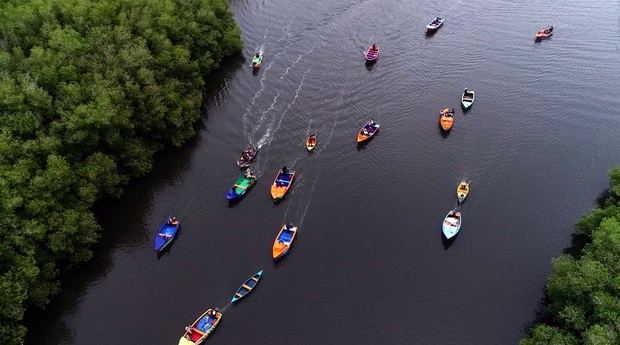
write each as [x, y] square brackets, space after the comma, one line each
[173, 221]
[258, 54]
[284, 170]
[165, 236]
[188, 329]
[213, 313]
[465, 91]
[374, 46]
[248, 173]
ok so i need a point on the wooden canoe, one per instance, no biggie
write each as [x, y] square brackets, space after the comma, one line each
[247, 286]
[462, 191]
[446, 119]
[311, 142]
[198, 332]
[367, 131]
[281, 184]
[283, 241]
[451, 224]
[467, 98]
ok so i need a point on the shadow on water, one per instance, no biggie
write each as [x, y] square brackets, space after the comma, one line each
[116, 217]
[447, 243]
[370, 65]
[443, 132]
[430, 33]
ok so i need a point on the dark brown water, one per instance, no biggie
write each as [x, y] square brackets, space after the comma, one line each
[369, 266]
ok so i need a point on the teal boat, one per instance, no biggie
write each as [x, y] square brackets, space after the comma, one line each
[241, 186]
[257, 59]
[247, 286]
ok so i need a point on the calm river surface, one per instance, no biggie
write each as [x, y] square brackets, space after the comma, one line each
[369, 265]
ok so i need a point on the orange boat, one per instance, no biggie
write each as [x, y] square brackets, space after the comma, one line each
[283, 241]
[282, 183]
[368, 131]
[545, 32]
[446, 119]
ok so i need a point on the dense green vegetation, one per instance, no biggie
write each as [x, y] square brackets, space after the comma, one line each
[89, 91]
[584, 290]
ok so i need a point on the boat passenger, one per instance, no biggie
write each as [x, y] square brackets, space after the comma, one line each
[465, 91]
[248, 173]
[284, 170]
[188, 329]
[374, 47]
[257, 54]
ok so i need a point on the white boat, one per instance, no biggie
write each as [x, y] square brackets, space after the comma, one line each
[435, 23]
[451, 224]
[467, 99]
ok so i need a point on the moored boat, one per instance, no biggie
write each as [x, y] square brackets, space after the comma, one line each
[372, 53]
[166, 234]
[545, 32]
[241, 186]
[247, 157]
[198, 332]
[451, 224]
[247, 286]
[435, 23]
[462, 191]
[467, 98]
[367, 131]
[446, 119]
[282, 183]
[283, 241]
[257, 59]
[311, 142]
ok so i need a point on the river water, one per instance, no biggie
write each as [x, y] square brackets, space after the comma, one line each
[369, 265]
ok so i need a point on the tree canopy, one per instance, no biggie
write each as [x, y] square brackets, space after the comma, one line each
[584, 291]
[89, 91]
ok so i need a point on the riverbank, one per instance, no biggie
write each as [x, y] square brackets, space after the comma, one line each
[91, 91]
[583, 296]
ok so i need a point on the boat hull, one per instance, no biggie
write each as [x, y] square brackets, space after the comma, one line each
[283, 242]
[201, 328]
[361, 137]
[165, 236]
[279, 188]
[247, 287]
[450, 228]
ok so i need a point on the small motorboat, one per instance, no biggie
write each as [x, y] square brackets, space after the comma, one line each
[241, 186]
[166, 234]
[368, 131]
[462, 190]
[451, 224]
[198, 332]
[247, 286]
[446, 119]
[545, 32]
[283, 241]
[467, 98]
[311, 142]
[257, 59]
[435, 23]
[281, 184]
[372, 53]
[247, 157]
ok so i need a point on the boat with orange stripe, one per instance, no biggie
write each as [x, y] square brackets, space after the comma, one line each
[281, 184]
[283, 241]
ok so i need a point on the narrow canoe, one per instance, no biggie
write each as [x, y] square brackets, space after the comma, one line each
[281, 184]
[283, 241]
[371, 54]
[462, 190]
[451, 224]
[257, 61]
[240, 188]
[166, 234]
[247, 286]
[201, 328]
[311, 142]
[367, 131]
[446, 119]
[467, 98]
[435, 23]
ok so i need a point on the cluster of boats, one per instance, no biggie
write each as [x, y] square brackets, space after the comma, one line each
[199, 330]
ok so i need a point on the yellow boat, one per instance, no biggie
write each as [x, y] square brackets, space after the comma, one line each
[462, 190]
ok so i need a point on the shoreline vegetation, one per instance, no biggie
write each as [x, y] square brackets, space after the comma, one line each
[582, 304]
[89, 91]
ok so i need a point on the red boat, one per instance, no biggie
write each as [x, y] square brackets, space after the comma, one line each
[372, 53]
[544, 33]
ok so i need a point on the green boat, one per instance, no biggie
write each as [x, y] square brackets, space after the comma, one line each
[241, 187]
[257, 59]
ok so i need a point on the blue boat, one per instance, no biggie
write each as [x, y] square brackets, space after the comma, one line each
[166, 234]
[241, 186]
[247, 286]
